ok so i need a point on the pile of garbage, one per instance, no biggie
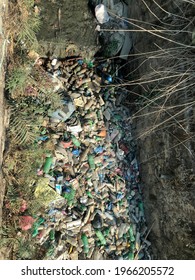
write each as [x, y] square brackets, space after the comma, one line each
[90, 186]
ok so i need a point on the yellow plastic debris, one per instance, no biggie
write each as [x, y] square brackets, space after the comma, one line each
[44, 194]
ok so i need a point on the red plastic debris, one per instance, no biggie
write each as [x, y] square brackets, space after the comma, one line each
[26, 222]
[66, 144]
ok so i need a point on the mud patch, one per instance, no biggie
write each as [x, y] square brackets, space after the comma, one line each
[67, 23]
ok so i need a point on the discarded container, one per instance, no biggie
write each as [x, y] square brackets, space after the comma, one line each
[100, 237]
[75, 141]
[101, 14]
[74, 224]
[47, 165]
[91, 161]
[132, 238]
[85, 243]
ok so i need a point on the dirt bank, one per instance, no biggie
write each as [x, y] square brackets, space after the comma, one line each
[166, 153]
[68, 27]
[3, 111]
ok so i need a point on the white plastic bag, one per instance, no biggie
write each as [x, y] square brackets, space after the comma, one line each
[101, 14]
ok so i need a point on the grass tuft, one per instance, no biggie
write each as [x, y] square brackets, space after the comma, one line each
[24, 25]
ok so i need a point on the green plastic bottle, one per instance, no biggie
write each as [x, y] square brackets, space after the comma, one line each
[132, 238]
[40, 221]
[50, 251]
[97, 138]
[131, 252]
[75, 141]
[91, 161]
[100, 236]
[130, 256]
[85, 242]
[47, 164]
[35, 231]
[52, 234]
[36, 225]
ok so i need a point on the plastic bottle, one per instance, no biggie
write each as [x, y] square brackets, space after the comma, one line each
[35, 231]
[75, 141]
[47, 164]
[106, 77]
[91, 161]
[52, 234]
[132, 238]
[130, 256]
[85, 242]
[106, 232]
[101, 237]
[89, 194]
[99, 150]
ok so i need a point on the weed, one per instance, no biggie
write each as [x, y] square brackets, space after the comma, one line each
[24, 25]
[25, 174]
[28, 115]
[30, 25]
[166, 74]
[26, 250]
[20, 247]
[8, 238]
[17, 80]
[32, 98]
[25, 124]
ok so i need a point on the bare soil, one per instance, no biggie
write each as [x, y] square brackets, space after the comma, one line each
[68, 26]
[3, 110]
[167, 165]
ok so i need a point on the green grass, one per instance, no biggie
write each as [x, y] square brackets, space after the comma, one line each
[17, 80]
[19, 247]
[28, 30]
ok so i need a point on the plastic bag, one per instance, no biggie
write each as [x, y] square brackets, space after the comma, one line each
[101, 14]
